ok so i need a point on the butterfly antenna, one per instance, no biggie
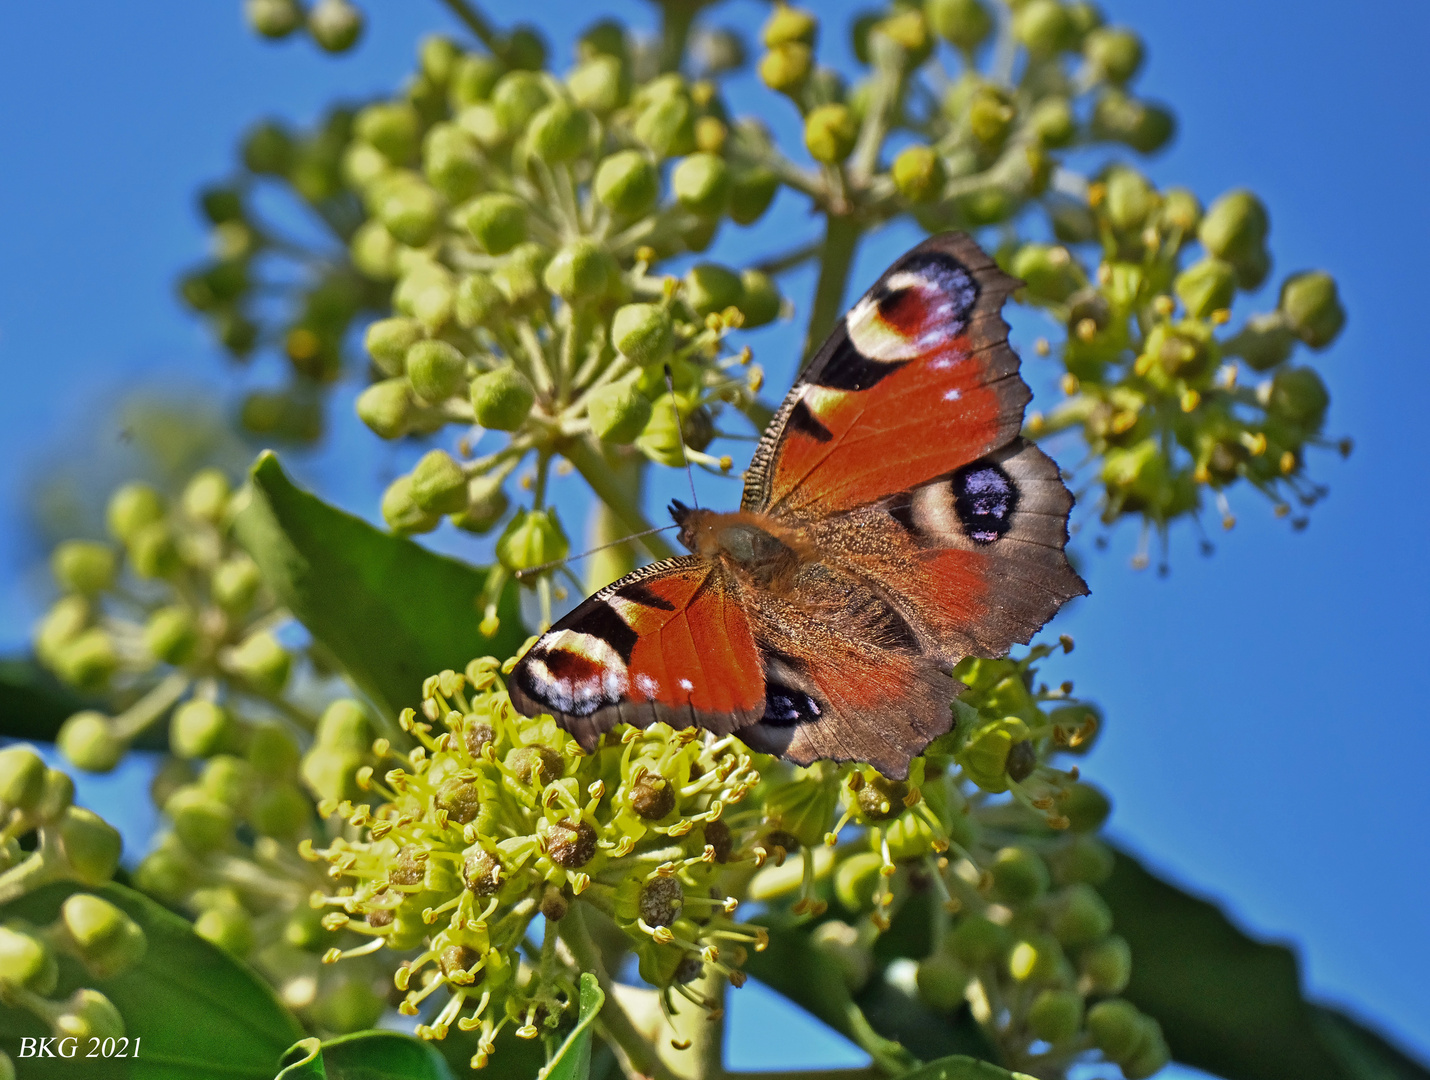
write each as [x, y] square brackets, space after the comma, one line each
[529, 570]
[680, 434]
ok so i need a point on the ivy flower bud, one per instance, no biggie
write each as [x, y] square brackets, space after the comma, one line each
[642, 332]
[786, 68]
[401, 512]
[392, 127]
[752, 190]
[89, 742]
[1312, 308]
[472, 79]
[88, 659]
[965, 24]
[830, 132]
[1235, 227]
[1298, 401]
[451, 161]
[272, 752]
[667, 126]
[941, 980]
[1036, 958]
[516, 97]
[1081, 917]
[409, 210]
[1129, 201]
[502, 399]
[478, 301]
[1086, 808]
[978, 941]
[1048, 271]
[1263, 342]
[1114, 52]
[90, 845]
[789, 24]
[984, 756]
[201, 821]
[918, 173]
[69, 616]
[335, 25]
[206, 496]
[627, 183]
[374, 251]
[436, 370]
[1085, 860]
[599, 84]
[235, 584]
[1055, 1015]
[618, 411]
[84, 566]
[262, 661]
[1206, 286]
[760, 300]
[281, 811]
[711, 288]
[496, 221]
[487, 503]
[227, 926]
[1116, 1027]
[273, 19]
[200, 729]
[1052, 122]
[26, 962]
[532, 538]
[1019, 875]
[1044, 27]
[1143, 126]
[152, 552]
[170, 634]
[131, 508]
[1107, 965]
[519, 275]
[22, 779]
[581, 270]
[386, 407]
[559, 132]
[701, 183]
[438, 484]
[106, 940]
[991, 113]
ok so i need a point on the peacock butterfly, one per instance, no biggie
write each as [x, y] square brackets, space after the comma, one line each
[893, 522]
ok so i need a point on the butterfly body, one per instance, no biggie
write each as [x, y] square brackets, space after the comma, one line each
[893, 522]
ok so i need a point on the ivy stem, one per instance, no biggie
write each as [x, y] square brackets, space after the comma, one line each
[676, 17]
[474, 21]
[151, 706]
[841, 238]
[594, 469]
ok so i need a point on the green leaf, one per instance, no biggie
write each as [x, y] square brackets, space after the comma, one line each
[961, 1067]
[1228, 1003]
[391, 611]
[195, 1010]
[33, 703]
[365, 1055]
[573, 1060]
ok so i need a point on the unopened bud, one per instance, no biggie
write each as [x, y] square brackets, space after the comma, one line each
[627, 182]
[701, 183]
[1206, 286]
[618, 411]
[22, 779]
[131, 508]
[1019, 875]
[335, 25]
[1055, 1015]
[262, 661]
[104, 938]
[90, 845]
[497, 222]
[436, 370]
[830, 132]
[401, 512]
[391, 127]
[26, 962]
[752, 189]
[170, 634]
[89, 742]
[787, 67]
[386, 407]
[559, 132]
[1115, 52]
[84, 566]
[760, 300]
[200, 729]
[667, 126]
[1312, 308]
[1143, 126]
[502, 399]
[273, 18]
[711, 288]
[581, 270]
[487, 503]
[439, 486]
[516, 97]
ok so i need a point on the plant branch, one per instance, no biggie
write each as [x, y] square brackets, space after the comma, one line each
[476, 22]
[593, 468]
[841, 238]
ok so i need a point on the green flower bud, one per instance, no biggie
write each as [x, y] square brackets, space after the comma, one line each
[436, 370]
[335, 25]
[984, 756]
[88, 1014]
[228, 779]
[856, 880]
[978, 941]
[1107, 965]
[439, 486]
[473, 78]
[502, 399]
[221, 205]
[710, 288]
[662, 438]
[1235, 228]
[478, 301]
[386, 407]
[1019, 875]
[618, 411]
[788, 24]
[918, 174]
[1298, 400]
[941, 980]
[1053, 122]
[1263, 342]
[1044, 26]
[268, 149]
[87, 660]
[152, 552]
[965, 24]
[168, 873]
[751, 192]
[409, 210]
[519, 275]
[1312, 308]
[84, 566]
[701, 182]
[497, 222]
[1115, 52]
[1206, 286]
[202, 822]
[200, 729]
[345, 725]
[22, 779]
[559, 132]
[363, 166]
[351, 1005]
[104, 938]
[1080, 917]
[171, 634]
[1049, 272]
[1036, 958]
[331, 774]
[643, 332]
[1055, 1015]
[1184, 350]
[1151, 1056]
[235, 584]
[58, 796]
[841, 943]
[228, 927]
[89, 742]
[392, 127]
[1143, 126]
[516, 98]
[273, 18]
[90, 845]
[374, 251]
[599, 84]
[991, 114]
[1130, 200]
[760, 300]
[401, 512]
[206, 496]
[272, 752]
[61, 625]
[627, 182]
[830, 132]
[1085, 859]
[487, 503]
[533, 537]
[281, 811]
[667, 126]
[131, 508]
[1116, 1027]
[581, 270]
[26, 962]
[438, 57]
[451, 161]
[259, 659]
[1086, 808]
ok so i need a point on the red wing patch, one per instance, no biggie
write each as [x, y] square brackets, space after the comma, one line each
[669, 643]
[917, 381]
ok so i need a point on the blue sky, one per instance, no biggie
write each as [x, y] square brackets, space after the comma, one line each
[1266, 729]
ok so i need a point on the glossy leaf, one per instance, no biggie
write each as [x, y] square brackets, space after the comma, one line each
[33, 703]
[391, 611]
[962, 1067]
[195, 1010]
[365, 1055]
[573, 1060]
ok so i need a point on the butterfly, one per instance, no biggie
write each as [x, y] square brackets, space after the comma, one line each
[893, 522]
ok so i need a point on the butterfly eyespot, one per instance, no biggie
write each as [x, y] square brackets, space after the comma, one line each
[984, 497]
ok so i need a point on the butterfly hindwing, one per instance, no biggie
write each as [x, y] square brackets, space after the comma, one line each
[915, 381]
[671, 642]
